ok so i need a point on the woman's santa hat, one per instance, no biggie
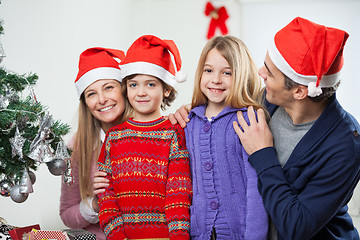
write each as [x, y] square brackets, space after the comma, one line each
[309, 54]
[150, 55]
[98, 63]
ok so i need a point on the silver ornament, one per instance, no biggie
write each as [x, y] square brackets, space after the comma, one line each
[5, 187]
[17, 143]
[17, 196]
[4, 102]
[25, 183]
[2, 53]
[57, 166]
[68, 176]
[32, 177]
[61, 151]
[40, 149]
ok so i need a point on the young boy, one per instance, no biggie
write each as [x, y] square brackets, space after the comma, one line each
[146, 157]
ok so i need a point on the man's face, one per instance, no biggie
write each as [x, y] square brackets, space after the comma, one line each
[274, 82]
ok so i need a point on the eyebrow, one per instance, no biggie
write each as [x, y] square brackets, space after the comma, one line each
[270, 73]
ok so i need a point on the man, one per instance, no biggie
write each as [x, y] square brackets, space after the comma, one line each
[308, 165]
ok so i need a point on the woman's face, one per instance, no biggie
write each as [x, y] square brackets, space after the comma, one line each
[105, 101]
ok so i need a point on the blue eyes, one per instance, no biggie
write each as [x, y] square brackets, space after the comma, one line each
[132, 85]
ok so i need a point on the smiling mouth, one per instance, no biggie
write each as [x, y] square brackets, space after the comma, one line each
[142, 101]
[216, 90]
[106, 108]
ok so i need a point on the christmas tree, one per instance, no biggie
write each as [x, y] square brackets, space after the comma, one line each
[28, 135]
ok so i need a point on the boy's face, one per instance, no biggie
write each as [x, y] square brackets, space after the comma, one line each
[145, 94]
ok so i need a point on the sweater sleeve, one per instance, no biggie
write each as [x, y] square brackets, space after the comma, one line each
[70, 198]
[299, 210]
[178, 188]
[109, 215]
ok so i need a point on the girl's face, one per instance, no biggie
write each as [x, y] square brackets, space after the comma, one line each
[145, 94]
[105, 102]
[216, 79]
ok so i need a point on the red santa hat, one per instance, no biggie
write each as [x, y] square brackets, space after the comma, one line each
[98, 63]
[150, 55]
[309, 54]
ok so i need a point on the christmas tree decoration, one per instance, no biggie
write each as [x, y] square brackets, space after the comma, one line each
[17, 143]
[5, 187]
[218, 18]
[68, 176]
[2, 53]
[25, 183]
[28, 135]
[17, 196]
[57, 166]
[32, 177]
[40, 148]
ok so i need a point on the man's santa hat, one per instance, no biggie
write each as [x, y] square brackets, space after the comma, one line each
[309, 54]
[98, 63]
[150, 55]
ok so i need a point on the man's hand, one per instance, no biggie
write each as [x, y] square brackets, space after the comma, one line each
[180, 116]
[255, 136]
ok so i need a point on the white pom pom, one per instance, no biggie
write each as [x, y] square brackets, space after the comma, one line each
[180, 76]
[313, 91]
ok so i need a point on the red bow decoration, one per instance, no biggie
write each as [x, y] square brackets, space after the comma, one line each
[218, 18]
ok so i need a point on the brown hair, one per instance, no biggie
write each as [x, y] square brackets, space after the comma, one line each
[326, 92]
[166, 100]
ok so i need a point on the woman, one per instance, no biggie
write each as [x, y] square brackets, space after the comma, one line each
[101, 107]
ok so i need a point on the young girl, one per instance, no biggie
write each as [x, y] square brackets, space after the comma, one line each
[101, 107]
[226, 203]
[145, 158]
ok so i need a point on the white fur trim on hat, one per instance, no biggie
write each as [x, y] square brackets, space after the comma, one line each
[180, 76]
[313, 90]
[285, 68]
[96, 74]
[148, 69]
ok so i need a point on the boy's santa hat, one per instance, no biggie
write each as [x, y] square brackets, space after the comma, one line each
[150, 55]
[98, 63]
[309, 54]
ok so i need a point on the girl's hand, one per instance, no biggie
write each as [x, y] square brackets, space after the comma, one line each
[180, 116]
[100, 182]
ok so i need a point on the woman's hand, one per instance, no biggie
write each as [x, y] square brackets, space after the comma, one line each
[100, 182]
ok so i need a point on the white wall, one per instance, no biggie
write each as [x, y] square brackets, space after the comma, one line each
[46, 38]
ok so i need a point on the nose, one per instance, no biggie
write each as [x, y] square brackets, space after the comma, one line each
[102, 98]
[262, 72]
[141, 91]
[216, 79]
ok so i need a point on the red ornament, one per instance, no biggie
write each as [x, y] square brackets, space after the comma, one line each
[218, 18]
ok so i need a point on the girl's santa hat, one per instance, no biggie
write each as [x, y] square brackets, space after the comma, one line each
[98, 63]
[309, 54]
[150, 55]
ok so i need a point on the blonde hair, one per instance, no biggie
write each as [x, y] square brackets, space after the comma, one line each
[246, 86]
[87, 143]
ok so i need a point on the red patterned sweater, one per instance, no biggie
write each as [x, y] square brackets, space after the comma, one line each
[150, 182]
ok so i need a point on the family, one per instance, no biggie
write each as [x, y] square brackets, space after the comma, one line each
[241, 161]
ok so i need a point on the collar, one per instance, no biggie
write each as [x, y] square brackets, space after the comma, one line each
[102, 135]
[199, 111]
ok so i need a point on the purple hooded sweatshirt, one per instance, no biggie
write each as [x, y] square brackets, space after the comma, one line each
[225, 194]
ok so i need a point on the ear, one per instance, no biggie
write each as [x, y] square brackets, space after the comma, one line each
[167, 93]
[300, 92]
